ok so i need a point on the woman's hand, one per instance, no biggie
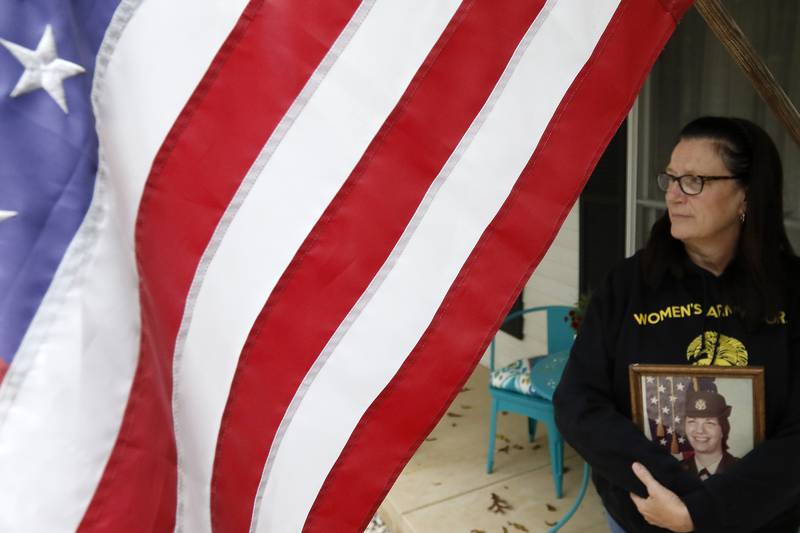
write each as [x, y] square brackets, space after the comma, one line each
[662, 507]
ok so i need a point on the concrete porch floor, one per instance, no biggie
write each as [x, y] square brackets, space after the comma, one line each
[445, 487]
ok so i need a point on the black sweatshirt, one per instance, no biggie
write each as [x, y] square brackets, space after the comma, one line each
[628, 322]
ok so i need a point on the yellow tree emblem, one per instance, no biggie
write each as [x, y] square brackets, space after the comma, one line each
[729, 351]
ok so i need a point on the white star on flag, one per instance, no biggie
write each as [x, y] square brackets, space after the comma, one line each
[43, 68]
[662, 388]
[669, 430]
[663, 442]
[673, 398]
[5, 215]
[665, 410]
[653, 400]
[681, 440]
[677, 419]
[680, 386]
[650, 379]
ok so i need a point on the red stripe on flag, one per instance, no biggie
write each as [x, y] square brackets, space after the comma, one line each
[408, 409]
[329, 272]
[198, 169]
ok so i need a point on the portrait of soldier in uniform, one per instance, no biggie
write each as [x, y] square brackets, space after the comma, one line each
[707, 428]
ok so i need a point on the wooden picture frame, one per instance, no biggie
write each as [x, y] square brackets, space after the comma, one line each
[703, 416]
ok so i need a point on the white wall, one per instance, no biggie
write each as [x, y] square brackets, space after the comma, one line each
[554, 282]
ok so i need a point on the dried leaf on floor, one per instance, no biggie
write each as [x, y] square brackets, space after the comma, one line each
[499, 505]
[376, 526]
[502, 437]
[518, 447]
[504, 449]
[476, 531]
[504, 413]
[551, 508]
[454, 415]
[466, 407]
[517, 526]
[505, 529]
[565, 469]
[549, 524]
[430, 439]
[536, 446]
[454, 425]
[465, 389]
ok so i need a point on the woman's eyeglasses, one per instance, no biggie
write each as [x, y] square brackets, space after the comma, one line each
[689, 184]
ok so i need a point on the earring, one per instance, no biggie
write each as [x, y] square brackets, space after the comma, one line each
[741, 217]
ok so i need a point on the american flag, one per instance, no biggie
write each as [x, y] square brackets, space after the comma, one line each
[249, 251]
[664, 406]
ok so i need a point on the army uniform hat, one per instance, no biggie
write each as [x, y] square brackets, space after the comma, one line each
[706, 404]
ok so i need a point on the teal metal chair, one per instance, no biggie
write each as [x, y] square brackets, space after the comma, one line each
[535, 406]
[545, 379]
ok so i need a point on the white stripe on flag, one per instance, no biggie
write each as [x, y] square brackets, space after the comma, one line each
[65, 395]
[298, 181]
[364, 362]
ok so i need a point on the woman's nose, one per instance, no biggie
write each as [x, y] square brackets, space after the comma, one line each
[674, 191]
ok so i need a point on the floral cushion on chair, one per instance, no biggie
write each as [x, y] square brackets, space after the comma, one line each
[516, 377]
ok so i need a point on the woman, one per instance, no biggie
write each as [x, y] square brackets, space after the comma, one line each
[707, 427]
[721, 248]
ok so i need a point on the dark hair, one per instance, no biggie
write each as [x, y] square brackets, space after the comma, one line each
[725, 426]
[759, 266]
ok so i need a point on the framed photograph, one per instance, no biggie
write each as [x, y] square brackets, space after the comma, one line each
[706, 417]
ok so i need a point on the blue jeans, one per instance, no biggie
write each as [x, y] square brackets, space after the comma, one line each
[612, 524]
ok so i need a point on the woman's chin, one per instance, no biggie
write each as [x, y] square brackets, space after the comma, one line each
[679, 233]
